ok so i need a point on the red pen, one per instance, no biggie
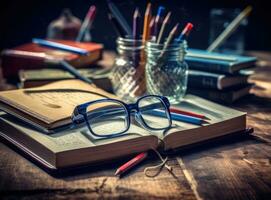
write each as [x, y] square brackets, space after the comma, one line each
[184, 112]
[131, 163]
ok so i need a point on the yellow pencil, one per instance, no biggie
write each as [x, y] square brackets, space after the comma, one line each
[147, 19]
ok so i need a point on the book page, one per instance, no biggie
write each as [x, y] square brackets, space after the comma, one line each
[53, 102]
[71, 139]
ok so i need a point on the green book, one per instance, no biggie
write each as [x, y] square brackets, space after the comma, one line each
[34, 78]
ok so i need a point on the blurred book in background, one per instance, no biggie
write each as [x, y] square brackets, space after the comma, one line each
[33, 56]
[34, 78]
[219, 77]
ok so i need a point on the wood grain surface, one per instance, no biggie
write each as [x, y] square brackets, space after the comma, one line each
[237, 168]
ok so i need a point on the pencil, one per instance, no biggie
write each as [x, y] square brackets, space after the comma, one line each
[117, 27]
[171, 35]
[165, 22]
[115, 11]
[147, 19]
[230, 29]
[68, 67]
[179, 117]
[136, 18]
[184, 34]
[184, 112]
[56, 45]
[151, 28]
[158, 20]
[86, 23]
[131, 163]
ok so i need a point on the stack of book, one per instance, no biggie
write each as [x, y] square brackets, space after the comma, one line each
[219, 77]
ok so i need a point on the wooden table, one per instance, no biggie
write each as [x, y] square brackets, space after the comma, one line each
[238, 168]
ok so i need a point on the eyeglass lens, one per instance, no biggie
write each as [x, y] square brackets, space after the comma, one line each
[149, 107]
[107, 118]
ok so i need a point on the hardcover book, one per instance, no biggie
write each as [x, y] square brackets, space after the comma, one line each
[51, 106]
[35, 78]
[201, 79]
[33, 56]
[217, 62]
[227, 96]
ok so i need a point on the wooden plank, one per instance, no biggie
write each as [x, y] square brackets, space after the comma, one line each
[235, 169]
[240, 169]
[21, 178]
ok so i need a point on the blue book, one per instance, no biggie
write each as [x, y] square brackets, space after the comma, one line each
[217, 62]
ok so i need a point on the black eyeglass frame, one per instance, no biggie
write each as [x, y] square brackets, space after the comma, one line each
[80, 114]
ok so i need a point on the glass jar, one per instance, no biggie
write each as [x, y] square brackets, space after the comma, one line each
[128, 72]
[166, 70]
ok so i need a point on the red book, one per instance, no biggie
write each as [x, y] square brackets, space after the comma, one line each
[33, 56]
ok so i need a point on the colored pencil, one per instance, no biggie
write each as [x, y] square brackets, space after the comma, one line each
[151, 27]
[171, 35]
[68, 67]
[136, 18]
[230, 29]
[56, 45]
[158, 19]
[131, 163]
[179, 117]
[86, 23]
[184, 34]
[184, 112]
[117, 14]
[117, 27]
[147, 19]
[165, 22]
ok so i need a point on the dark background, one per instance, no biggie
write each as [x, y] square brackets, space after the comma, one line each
[22, 20]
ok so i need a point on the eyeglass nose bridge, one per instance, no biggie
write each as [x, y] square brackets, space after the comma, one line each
[133, 107]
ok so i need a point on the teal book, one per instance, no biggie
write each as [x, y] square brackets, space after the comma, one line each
[216, 62]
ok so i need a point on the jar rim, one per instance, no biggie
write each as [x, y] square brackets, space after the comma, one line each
[128, 39]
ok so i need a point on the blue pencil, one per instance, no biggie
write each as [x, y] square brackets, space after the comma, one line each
[60, 46]
[179, 117]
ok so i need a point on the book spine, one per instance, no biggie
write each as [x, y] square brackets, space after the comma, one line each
[12, 64]
[209, 67]
[203, 81]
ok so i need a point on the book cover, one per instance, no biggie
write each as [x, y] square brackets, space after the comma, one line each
[33, 56]
[201, 79]
[35, 78]
[226, 96]
[217, 62]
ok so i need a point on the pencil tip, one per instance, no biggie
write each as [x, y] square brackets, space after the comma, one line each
[167, 17]
[117, 172]
[136, 13]
[161, 9]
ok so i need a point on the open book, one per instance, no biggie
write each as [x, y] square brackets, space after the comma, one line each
[50, 107]
[75, 147]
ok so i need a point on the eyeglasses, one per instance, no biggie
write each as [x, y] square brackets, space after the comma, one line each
[111, 117]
